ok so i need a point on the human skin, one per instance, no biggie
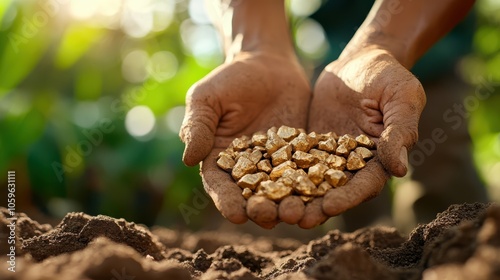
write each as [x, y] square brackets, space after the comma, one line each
[261, 84]
[367, 90]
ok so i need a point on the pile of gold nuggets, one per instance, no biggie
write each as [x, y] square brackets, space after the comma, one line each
[288, 161]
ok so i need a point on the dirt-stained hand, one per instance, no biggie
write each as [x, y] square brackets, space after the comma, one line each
[252, 92]
[368, 92]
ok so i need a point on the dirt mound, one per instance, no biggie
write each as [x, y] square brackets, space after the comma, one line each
[461, 243]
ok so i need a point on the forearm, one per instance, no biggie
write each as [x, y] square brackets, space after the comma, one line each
[407, 28]
[252, 26]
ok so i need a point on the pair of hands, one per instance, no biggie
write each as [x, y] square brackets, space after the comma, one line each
[367, 92]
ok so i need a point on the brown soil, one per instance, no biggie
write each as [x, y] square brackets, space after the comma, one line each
[461, 243]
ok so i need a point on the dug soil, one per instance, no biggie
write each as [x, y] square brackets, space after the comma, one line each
[461, 243]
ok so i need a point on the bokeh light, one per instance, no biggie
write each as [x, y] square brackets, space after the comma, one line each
[84, 9]
[174, 118]
[86, 114]
[163, 14]
[162, 65]
[310, 38]
[201, 41]
[134, 66]
[303, 8]
[140, 122]
[198, 12]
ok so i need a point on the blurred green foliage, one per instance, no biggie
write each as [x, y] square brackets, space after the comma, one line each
[71, 71]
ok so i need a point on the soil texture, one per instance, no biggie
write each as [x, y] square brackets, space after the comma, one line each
[463, 242]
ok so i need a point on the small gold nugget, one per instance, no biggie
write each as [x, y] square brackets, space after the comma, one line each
[302, 143]
[226, 163]
[251, 181]
[242, 167]
[275, 191]
[259, 139]
[328, 145]
[335, 178]
[363, 152]
[278, 170]
[240, 144]
[265, 166]
[348, 141]
[304, 186]
[365, 141]
[355, 161]
[323, 188]
[317, 173]
[304, 160]
[274, 142]
[336, 162]
[281, 155]
[320, 155]
[287, 133]
[247, 193]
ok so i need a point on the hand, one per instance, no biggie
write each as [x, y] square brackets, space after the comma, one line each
[370, 92]
[252, 92]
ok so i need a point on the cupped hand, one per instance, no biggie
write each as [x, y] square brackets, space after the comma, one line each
[368, 92]
[251, 93]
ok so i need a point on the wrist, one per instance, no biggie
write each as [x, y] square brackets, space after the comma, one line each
[370, 38]
[254, 26]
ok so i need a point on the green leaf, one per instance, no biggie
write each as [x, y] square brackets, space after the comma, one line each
[76, 41]
[4, 5]
[26, 43]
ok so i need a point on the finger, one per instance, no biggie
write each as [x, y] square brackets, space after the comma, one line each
[262, 211]
[366, 183]
[291, 210]
[401, 116]
[223, 191]
[199, 125]
[313, 214]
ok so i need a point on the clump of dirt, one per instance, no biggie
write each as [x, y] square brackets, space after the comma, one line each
[461, 243]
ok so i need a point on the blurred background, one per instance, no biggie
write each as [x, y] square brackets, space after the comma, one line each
[92, 98]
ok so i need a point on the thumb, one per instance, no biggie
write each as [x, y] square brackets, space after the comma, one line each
[198, 128]
[401, 116]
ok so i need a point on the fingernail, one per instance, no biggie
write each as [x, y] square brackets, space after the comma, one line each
[403, 157]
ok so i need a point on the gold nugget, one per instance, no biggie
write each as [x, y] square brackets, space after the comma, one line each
[251, 181]
[365, 141]
[226, 163]
[303, 159]
[259, 139]
[335, 178]
[275, 191]
[302, 143]
[317, 173]
[355, 161]
[348, 141]
[323, 188]
[287, 133]
[328, 145]
[304, 186]
[247, 193]
[274, 142]
[241, 143]
[363, 152]
[342, 150]
[278, 170]
[320, 155]
[242, 167]
[306, 199]
[264, 165]
[336, 162]
[281, 155]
